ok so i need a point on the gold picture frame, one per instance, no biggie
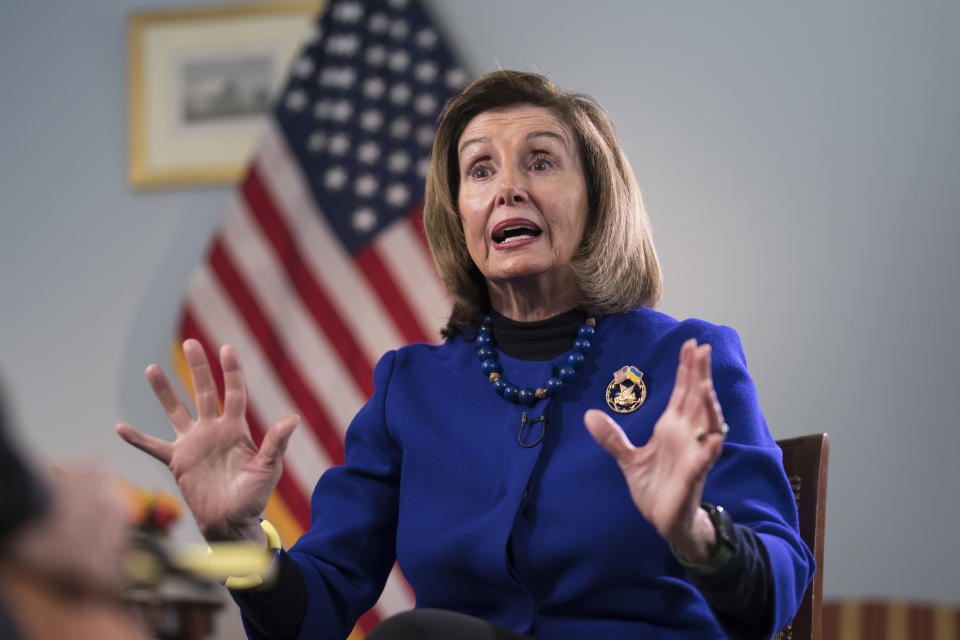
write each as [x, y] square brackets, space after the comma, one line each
[200, 81]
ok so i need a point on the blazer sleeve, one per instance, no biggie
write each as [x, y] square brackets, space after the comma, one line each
[348, 552]
[749, 481]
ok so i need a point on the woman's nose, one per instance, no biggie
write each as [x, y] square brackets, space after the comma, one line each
[511, 191]
[510, 196]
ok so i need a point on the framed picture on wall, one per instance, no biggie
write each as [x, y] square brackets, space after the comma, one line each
[200, 82]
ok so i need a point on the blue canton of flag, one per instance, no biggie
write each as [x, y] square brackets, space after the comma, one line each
[360, 112]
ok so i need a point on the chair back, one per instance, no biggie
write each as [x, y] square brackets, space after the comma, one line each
[805, 460]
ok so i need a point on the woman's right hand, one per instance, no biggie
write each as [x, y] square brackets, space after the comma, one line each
[224, 478]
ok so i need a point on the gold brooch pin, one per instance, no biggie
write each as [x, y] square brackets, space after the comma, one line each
[626, 392]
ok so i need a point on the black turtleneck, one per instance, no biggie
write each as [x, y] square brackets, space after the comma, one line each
[538, 340]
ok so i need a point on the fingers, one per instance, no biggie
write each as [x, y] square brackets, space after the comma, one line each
[608, 434]
[678, 397]
[706, 408]
[711, 406]
[277, 438]
[204, 387]
[159, 449]
[235, 387]
[709, 452]
[176, 411]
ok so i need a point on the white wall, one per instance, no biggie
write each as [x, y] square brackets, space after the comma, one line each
[799, 162]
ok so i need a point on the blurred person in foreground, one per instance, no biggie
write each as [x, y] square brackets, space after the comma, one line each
[63, 539]
[471, 466]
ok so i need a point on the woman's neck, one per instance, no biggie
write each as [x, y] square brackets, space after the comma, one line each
[534, 298]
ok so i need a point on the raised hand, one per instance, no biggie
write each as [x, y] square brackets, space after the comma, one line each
[224, 478]
[666, 476]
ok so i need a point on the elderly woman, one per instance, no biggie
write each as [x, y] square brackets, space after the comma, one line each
[470, 464]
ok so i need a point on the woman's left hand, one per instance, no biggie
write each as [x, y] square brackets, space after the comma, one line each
[666, 476]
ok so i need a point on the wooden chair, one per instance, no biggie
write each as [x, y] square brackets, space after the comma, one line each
[805, 461]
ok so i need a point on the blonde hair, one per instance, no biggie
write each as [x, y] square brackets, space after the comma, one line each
[615, 267]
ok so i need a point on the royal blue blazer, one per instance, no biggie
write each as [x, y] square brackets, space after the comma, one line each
[544, 540]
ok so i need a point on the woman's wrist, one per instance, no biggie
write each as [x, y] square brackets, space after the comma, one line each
[724, 547]
[700, 544]
[250, 531]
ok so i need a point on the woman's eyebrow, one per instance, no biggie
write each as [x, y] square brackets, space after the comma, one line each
[472, 141]
[547, 134]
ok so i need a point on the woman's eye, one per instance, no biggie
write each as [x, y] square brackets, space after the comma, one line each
[479, 172]
[541, 164]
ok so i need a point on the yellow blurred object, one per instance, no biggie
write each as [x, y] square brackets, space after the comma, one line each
[149, 564]
[224, 559]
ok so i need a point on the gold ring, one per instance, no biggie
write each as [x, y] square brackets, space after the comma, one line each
[700, 434]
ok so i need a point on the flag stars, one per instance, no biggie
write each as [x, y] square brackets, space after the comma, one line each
[368, 152]
[341, 111]
[456, 78]
[425, 104]
[371, 120]
[398, 4]
[378, 24]
[315, 36]
[322, 109]
[397, 195]
[365, 186]
[398, 161]
[425, 72]
[338, 145]
[296, 100]
[426, 38]
[423, 165]
[425, 136]
[400, 93]
[364, 219]
[376, 55]
[343, 44]
[338, 77]
[334, 178]
[374, 88]
[316, 141]
[400, 127]
[399, 29]
[303, 67]
[348, 12]
[399, 60]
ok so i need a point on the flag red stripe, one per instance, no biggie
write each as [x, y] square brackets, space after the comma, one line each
[389, 293]
[369, 620]
[272, 348]
[288, 487]
[324, 312]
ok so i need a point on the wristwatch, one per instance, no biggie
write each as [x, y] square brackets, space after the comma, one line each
[726, 542]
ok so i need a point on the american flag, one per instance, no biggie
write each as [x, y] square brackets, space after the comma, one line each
[320, 265]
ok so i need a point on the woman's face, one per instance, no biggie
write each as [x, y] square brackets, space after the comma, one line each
[523, 196]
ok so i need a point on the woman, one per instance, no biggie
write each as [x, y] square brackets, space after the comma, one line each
[470, 464]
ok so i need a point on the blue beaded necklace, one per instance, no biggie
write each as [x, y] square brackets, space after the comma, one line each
[491, 366]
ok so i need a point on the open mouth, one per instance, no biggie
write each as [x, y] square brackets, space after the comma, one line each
[515, 230]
